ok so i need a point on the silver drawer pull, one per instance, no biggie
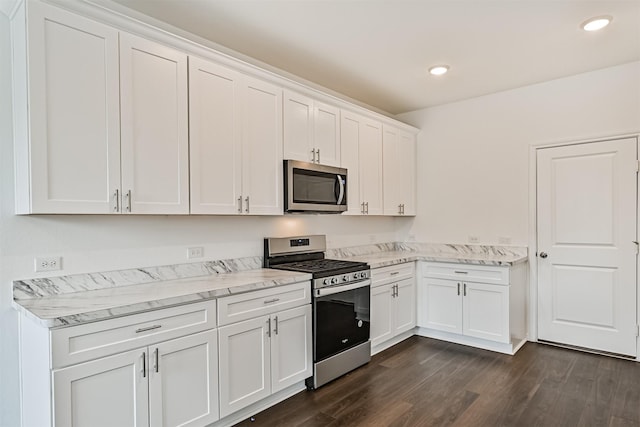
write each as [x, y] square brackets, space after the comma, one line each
[150, 328]
[271, 301]
[394, 273]
[461, 272]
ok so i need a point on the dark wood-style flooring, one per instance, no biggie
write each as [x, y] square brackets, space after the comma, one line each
[426, 382]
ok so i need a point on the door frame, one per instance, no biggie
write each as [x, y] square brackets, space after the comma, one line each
[532, 305]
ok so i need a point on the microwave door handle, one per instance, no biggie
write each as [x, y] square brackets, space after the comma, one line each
[341, 184]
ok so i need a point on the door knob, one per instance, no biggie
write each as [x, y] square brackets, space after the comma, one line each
[543, 255]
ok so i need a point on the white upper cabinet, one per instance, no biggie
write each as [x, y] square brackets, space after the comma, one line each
[155, 144]
[106, 129]
[311, 130]
[262, 148]
[399, 171]
[215, 130]
[235, 125]
[68, 144]
[361, 148]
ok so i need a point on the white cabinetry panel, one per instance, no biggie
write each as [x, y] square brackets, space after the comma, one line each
[291, 347]
[155, 177]
[74, 134]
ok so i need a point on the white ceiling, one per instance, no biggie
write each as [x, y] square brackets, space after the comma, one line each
[378, 51]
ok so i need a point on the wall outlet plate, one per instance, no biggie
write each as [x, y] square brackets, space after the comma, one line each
[504, 240]
[195, 252]
[53, 263]
[473, 239]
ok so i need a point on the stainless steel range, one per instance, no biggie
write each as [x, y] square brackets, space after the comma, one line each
[341, 303]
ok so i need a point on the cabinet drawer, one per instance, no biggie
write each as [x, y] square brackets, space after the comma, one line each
[86, 342]
[382, 276]
[253, 304]
[467, 272]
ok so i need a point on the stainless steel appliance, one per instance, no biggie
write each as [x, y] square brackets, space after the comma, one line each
[341, 303]
[309, 187]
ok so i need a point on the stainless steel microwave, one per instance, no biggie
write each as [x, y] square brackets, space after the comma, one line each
[313, 188]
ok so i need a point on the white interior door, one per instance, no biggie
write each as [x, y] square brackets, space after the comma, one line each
[586, 251]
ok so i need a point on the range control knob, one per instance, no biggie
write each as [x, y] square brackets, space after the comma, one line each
[325, 282]
[345, 278]
[334, 280]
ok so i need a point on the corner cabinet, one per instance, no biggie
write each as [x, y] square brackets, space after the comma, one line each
[311, 130]
[80, 86]
[235, 128]
[478, 305]
[393, 305]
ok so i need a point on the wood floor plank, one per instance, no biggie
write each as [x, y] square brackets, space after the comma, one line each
[426, 382]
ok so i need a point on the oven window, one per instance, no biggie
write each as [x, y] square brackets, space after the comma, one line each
[314, 187]
[341, 321]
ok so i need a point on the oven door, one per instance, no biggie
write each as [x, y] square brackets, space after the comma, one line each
[340, 318]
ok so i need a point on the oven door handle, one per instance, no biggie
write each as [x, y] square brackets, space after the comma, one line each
[341, 288]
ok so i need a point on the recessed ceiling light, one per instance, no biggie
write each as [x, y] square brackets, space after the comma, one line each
[597, 23]
[439, 70]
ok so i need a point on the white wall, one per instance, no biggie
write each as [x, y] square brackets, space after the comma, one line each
[102, 243]
[473, 155]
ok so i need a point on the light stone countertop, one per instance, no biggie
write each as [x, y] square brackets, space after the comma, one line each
[384, 259]
[94, 305]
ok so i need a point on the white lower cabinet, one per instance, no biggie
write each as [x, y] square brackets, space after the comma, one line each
[393, 304]
[263, 355]
[173, 383]
[483, 306]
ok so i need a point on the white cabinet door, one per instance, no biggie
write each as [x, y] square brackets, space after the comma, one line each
[112, 391]
[183, 381]
[350, 130]
[405, 306]
[392, 190]
[382, 314]
[486, 311]
[370, 151]
[291, 347]
[406, 168]
[245, 364]
[155, 151]
[215, 147]
[298, 127]
[262, 148]
[74, 163]
[327, 134]
[443, 305]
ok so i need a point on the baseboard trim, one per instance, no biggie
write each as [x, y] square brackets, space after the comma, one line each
[510, 348]
[393, 341]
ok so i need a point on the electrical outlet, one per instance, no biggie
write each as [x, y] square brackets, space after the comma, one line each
[195, 252]
[473, 239]
[504, 240]
[48, 263]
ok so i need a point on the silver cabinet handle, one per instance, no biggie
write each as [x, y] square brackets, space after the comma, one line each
[318, 151]
[247, 200]
[362, 207]
[157, 360]
[271, 301]
[240, 204]
[149, 328]
[269, 327]
[116, 195]
[394, 273]
[400, 209]
[464, 289]
[543, 254]
[313, 154]
[144, 364]
[129, 201]
[396, 288]
[458, 289]
[275, 319]
[367, 207]
[461, 272]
